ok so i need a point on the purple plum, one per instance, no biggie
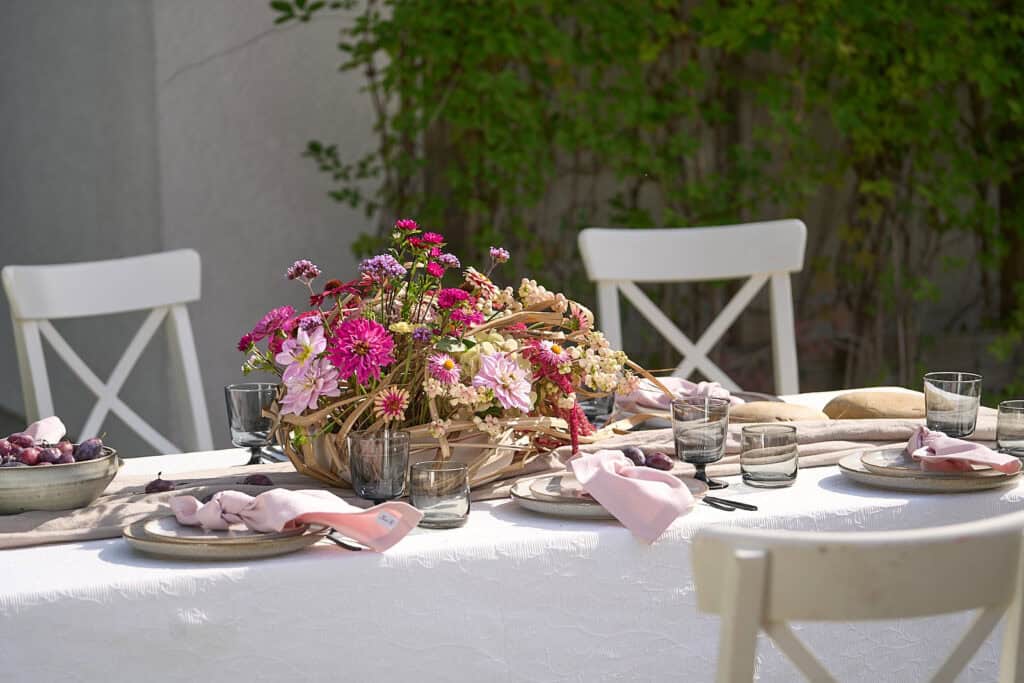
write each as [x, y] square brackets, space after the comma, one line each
[634, 454]
[49, 455]
[659, 461]
[29, 456]
[22, 440]
[159, 485]
[66, 447]
[6, 447]
[90, 449]
[66, 459]
[257, 480]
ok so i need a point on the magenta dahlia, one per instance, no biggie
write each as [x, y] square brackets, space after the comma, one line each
[362, 348]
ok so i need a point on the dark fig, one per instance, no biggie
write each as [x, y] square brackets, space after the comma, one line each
[257, 480]
[635, 455]
[90, 449]
[29, 456]
[66, 459]
[659, 461]
[159, 485]
[49, 455]
[22, 440]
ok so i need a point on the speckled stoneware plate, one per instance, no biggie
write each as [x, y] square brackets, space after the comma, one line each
[561, 495]
[56, 487]
[139, 539]
[895, 462]
[852, 467]
[168, 529]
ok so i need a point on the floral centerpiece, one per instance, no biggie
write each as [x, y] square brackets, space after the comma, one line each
[489, 374]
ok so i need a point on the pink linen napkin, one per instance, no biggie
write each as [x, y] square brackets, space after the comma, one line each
[645, 500]
[940, 453]
[379, 527]
[48, 430]
[649, 396]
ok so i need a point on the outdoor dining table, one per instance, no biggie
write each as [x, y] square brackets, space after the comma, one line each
[511, 596]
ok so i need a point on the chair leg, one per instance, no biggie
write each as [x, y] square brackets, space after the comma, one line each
[1011, 666]
[742, 612]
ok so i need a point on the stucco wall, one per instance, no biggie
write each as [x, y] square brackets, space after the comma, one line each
[133, 127]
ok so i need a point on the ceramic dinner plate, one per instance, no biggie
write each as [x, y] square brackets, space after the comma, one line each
[225, 547]
[852, 467]
[168, 529]
[561, 495]
[895, 461]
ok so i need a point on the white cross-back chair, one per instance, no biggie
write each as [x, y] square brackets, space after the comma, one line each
[162, 282]
[758, 579]
[617, 259]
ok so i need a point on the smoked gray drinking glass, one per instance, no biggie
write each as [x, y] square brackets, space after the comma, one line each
[699, 427]
[951, 402]
[598, 409]
[1010, 428]
[250, 428]
[440, 490]
[379, 464]
[769, 455]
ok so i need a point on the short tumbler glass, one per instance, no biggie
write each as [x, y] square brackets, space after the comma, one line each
[1010, 428]
[440, 490]
[951, 402]
[769, 455]
[379, 464]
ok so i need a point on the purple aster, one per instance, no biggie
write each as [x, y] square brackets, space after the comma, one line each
[382, 266]
[500, 254]
[362, 348]
[449, 261]
[303, 269]
[422, 335]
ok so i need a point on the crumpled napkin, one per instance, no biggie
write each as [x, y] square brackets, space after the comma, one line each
[379, 527]
[648, 396]
[940, 453]
[48, 430]
[645, 500]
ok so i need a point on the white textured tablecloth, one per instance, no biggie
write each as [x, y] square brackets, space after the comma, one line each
[512, 596]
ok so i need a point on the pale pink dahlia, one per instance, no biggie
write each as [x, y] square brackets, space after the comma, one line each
[362, 348]
[303, 391]
[299, 352]
[444, 369]
[390, 404]
[509, 382]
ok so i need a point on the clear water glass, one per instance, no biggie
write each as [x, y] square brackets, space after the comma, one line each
[440, 490]
[250, 427]
[699, 428]
[1010, 428]
[951, 401]
[379, 464]
[769, 455]
[598, 409]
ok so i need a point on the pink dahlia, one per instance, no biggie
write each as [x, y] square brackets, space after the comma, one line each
[361, 347]
[299, 352]
[509, 382]
[272, 322]
[390, 404]
[444, 369]
[448, 298]
[305, 389]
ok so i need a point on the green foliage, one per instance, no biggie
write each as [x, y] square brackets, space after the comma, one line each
[520, 121]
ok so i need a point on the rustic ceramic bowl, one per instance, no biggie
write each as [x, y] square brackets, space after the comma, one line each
[56, 487]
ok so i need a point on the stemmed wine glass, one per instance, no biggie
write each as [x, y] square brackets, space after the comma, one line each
[699, 427]
[250, 428]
